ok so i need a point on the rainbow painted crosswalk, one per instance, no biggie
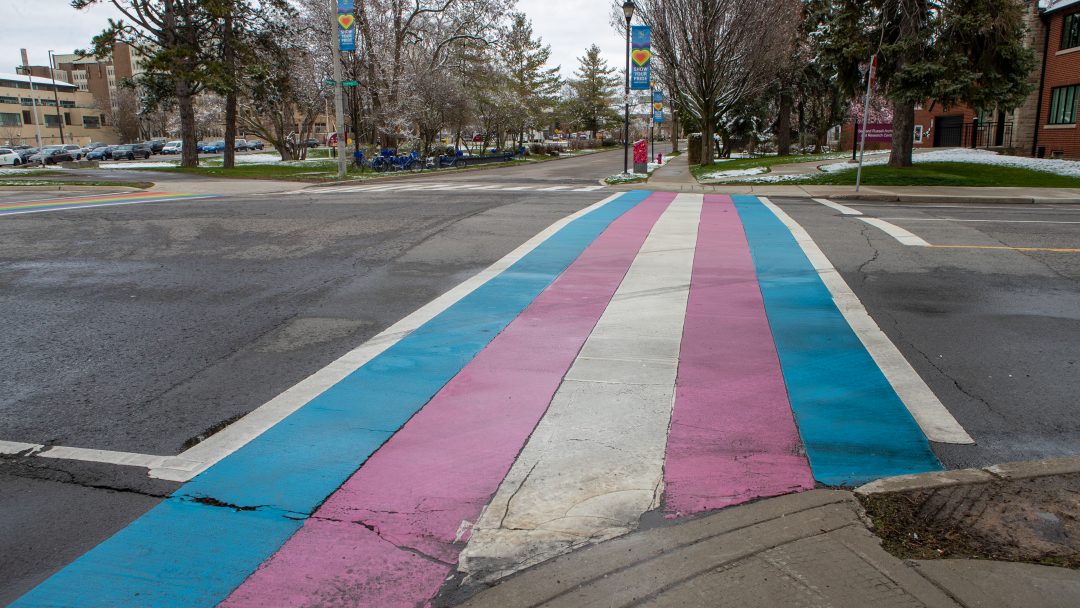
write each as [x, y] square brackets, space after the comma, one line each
[666, 351]
[91, 201]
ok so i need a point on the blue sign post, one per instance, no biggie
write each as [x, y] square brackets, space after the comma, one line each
[640, 57]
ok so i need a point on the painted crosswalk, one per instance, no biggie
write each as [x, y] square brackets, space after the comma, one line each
[444, 187]
[43, 205]
[659, 351]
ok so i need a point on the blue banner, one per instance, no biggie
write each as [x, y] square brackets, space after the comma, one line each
[658, 97]
[346, 25]
[640, 57]
[658, 116]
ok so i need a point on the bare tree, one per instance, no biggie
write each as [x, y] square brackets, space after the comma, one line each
[720, 52]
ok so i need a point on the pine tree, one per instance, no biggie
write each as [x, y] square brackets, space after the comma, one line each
[534, 86]
[949, 51]
[593, 89]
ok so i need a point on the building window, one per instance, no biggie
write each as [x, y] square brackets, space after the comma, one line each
[91, 122]
[52, 121]
[67, 118]
[10, 119]
[27, 118]
[5, 99]
[1070, 31]
[1063, 101]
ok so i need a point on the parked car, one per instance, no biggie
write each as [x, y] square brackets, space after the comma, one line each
[155, 145]
[254, 144]
[75, 151]
[240, 144]
[50, 155]
[100, 153]
[312, 143]
[173, 147]
[25, 152]
[131, 151]
[9, 157]
[94, 145]
[201, 146]
[215, 147]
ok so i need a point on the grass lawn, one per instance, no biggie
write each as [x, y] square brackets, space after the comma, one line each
[737, 164]
[309, 172]
[946, 174]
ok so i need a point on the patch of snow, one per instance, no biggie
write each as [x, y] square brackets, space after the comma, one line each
[134, 165]
[1070, 168]
[735, 173]
[12, 171]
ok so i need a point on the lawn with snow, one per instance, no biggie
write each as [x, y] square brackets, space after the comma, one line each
[735, 173]
[1069, 168]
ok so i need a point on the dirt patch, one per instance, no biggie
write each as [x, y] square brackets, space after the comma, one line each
[1030, 520]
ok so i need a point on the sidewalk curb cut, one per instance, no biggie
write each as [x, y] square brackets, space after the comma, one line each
[1010, 470]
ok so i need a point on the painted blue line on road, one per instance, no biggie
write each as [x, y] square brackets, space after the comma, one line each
[853, 424]
[183, 553]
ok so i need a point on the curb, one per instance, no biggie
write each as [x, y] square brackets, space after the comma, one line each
[960, 477]
[73, 188]
[946, 198]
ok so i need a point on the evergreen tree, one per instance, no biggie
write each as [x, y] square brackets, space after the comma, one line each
[949, 51]
[593, 92]
[533, 86]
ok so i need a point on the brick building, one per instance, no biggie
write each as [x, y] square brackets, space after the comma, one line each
[1056, 134]
[33, 106]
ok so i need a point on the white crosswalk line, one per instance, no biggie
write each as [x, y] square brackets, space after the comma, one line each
[595, 462]
[587, 189]
[553, 188]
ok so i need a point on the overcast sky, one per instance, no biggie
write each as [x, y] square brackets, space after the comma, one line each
[569, 26]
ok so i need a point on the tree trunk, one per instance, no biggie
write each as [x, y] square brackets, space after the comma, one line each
[189, 154]
[903, 136]
[783, 124]
[228, 44]
[674, 132]
[706, 141]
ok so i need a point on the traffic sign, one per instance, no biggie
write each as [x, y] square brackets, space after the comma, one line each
[348, 83]
[329, 82]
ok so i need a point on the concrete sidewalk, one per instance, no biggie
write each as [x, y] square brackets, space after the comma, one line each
[808, 549]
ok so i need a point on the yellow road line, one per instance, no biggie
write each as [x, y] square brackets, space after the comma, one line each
[1001, 247]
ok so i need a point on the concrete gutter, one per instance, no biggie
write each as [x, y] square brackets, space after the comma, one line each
[959, 477]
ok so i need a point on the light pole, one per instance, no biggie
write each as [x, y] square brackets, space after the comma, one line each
[628, 11]
[56, 95]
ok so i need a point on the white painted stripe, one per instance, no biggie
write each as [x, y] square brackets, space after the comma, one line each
[198, 458]
[15, 447]
[595, 462]
[105, 456]
[953, 219]
[553, 188]
[520, 188]
[931, 415]
[588, 188]
[118, 204]
[841, 208]
[482, 187]
[903, 236]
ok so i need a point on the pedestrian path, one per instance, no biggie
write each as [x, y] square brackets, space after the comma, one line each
[445, 187]
[43, 205]
[664, 351]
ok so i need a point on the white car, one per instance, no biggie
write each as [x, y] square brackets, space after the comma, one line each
[9, 157]
[75, 151]
[173, 147]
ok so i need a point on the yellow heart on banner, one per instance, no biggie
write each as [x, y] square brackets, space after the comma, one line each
[346, 21]
[658, 106]
[641, 56]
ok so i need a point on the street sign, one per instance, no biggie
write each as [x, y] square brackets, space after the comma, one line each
[329, 82]
[348, 83]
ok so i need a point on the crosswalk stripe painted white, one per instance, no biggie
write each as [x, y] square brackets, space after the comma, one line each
[442, 187]
[595, 462]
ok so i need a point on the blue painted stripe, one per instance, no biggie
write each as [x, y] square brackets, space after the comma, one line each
[183, 553]
[853, 424]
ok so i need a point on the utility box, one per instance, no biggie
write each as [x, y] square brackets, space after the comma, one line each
[641, 157]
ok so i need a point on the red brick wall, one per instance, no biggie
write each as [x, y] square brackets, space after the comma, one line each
[1061, 70]
[928, 113]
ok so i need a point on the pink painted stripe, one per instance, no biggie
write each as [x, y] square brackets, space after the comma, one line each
[392, 533]
[733, 437]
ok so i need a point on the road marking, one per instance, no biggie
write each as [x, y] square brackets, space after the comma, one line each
[1006, 248]
[105, 456]
[16, 447]
[934, 419]
[903, 236]
[733, 437]
[841, 208]
[431, 476]
[589, 189]
[553, 188]
[84, 202]
[953, 219]
[595, 462]
[197, 546]
[853, 424]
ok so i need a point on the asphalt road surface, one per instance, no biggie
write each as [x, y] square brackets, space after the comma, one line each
[147, 327]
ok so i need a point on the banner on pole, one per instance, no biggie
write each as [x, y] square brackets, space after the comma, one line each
[346, 25]
[876, 133]
[640, 57]
[658, 97]
[658, 115]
